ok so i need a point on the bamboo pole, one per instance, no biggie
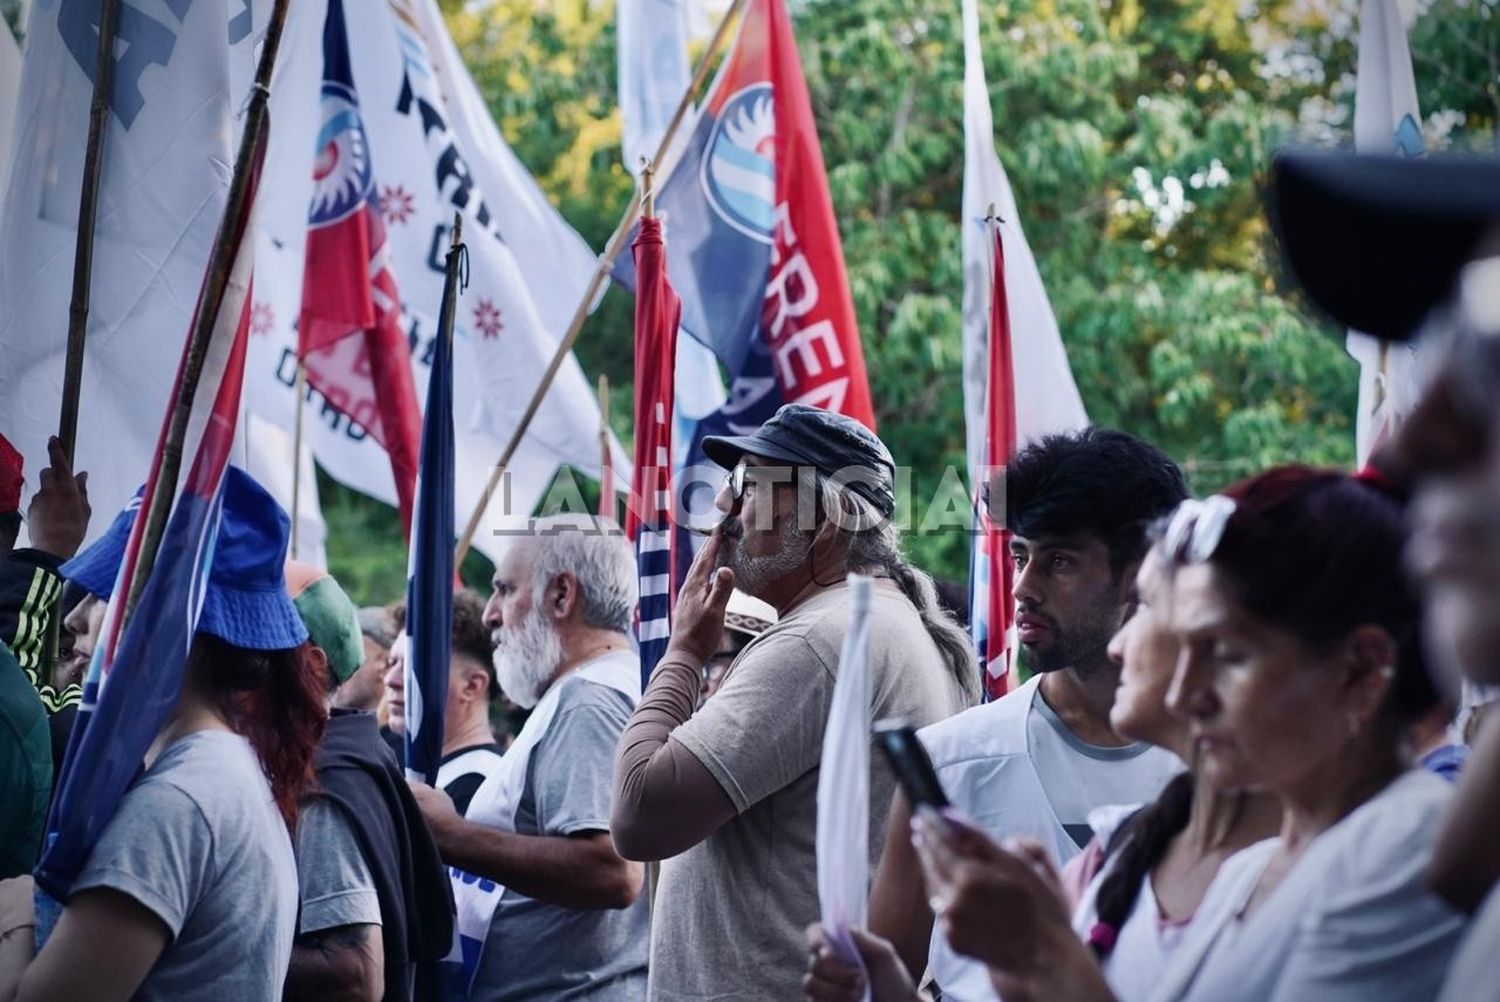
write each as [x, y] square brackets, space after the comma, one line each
[220, 264]
[88, 210]
[606, 480]
[297, 425]
[601, 276]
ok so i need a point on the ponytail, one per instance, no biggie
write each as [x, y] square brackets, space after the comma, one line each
[1137, 846]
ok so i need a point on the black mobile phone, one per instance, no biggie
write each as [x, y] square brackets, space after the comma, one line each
[909, 761]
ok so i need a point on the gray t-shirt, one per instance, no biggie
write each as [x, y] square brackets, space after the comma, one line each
[538, 950]
[335, 883]
[198, 841]
[731, 911]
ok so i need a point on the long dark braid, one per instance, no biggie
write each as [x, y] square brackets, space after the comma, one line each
[1136, 847]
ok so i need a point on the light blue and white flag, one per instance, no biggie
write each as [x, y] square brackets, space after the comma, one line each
[1386, 120]
[182, 73]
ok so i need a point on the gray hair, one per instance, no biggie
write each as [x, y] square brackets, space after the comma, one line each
[871, 543]
[594, 550]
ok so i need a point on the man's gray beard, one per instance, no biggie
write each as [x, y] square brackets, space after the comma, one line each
[754, 574]
[527, 658]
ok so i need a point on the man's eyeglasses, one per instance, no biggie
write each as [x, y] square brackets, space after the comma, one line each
[1197, 528]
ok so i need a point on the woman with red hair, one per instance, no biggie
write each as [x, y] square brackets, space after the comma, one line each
[191, 890]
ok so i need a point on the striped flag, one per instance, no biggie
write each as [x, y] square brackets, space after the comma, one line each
[349, 335]
[1386, 120]
[136, 674]
[992, 572]
[1025, 393]
[658, 312]
[429, 587]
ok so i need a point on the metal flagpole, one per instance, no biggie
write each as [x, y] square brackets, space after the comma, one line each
[220, 264]
[601, 276]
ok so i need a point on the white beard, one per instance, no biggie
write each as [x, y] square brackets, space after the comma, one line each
[527, 658]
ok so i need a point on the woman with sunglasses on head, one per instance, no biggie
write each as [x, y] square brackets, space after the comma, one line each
[190, 891]
[1149, 868]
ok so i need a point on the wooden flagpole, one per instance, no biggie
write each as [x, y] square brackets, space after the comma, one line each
[220, 264]
[297, 425]
[88, 206]
[601, 276]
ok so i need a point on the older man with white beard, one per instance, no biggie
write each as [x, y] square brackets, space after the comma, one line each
[554, 913]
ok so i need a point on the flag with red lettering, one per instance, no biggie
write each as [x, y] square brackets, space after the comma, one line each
[648, 517]
[755, 252]
[350, 336]
[991, 571]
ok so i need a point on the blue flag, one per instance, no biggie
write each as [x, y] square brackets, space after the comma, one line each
[429, 587]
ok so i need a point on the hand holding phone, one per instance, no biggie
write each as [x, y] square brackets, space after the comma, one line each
[911, 764]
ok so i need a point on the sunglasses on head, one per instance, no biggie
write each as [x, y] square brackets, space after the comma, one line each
[1197, 528]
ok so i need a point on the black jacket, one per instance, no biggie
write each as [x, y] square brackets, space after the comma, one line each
[357, 772]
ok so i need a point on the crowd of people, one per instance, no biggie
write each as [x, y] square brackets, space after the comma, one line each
[1250, 759]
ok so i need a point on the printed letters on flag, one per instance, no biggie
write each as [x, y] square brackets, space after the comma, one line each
[658, 312]
[350, 334]
[181, 75]
[1386, 120]
[436, 150]
[755, 251]
[136, 674]
[1037, 390]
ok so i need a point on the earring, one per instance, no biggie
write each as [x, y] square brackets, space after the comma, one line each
[1353, 724]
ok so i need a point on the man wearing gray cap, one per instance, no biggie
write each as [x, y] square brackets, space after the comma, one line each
[726, 794]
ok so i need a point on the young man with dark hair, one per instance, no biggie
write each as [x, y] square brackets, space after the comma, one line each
[470, 752]
[1038, 761]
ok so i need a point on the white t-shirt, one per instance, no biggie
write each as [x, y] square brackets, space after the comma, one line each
[1353, 919]
[1475, 973]
[1146, 941]
[1016, 770]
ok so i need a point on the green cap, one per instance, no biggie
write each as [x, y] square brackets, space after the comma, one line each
[330, 617]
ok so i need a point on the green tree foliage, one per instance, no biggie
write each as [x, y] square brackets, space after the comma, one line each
[1136, 134]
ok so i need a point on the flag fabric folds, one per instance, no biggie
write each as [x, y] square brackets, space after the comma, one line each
[181, 74]
[1043, 398]
[429, 591]
[350, 336]
[992, 606]
[843, 832]
[136, 674]
[755, 253]
[436, 150]
[658, 312]
[1386, 120]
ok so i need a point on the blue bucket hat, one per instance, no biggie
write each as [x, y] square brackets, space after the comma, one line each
[246, 603]
[95, 569]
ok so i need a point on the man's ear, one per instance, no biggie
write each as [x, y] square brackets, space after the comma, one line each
[324, 670]
[561, 597]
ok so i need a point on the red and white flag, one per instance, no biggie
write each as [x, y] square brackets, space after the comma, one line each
[350, 336]
[658, 312]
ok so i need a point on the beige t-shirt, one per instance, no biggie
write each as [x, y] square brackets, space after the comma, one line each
[730, 913]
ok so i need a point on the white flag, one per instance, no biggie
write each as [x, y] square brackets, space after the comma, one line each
[1047, 399]
[652, 41]
[843, 835]
[181, 74]
[432, 153]
[1386, 120]
[10, 89]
